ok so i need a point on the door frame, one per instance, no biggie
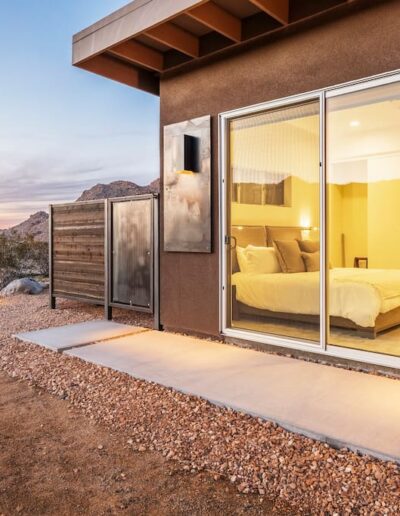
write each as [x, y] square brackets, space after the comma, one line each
[223, 141]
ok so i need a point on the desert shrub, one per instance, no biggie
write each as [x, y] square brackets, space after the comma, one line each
[24, 255]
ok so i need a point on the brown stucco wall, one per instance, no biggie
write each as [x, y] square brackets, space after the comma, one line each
[358, 45]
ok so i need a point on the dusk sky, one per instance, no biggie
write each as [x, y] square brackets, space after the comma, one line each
[62, 129]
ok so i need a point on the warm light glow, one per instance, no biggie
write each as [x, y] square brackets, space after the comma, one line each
[305, 221]
[185, 172]
[355, 123]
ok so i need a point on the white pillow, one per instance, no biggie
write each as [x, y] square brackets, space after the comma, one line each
[258, 260]
[241, 258]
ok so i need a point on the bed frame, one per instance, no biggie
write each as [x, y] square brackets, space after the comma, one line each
[257, 235]
[383, 322]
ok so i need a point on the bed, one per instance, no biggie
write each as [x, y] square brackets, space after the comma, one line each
[364, 300]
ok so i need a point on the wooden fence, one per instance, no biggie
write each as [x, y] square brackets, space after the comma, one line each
[78, 234]
[107, 253]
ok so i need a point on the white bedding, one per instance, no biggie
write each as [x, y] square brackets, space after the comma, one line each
[356, 294]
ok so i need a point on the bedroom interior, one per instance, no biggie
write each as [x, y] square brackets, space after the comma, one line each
[275, 222]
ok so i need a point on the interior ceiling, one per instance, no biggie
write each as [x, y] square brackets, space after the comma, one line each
[205, 28]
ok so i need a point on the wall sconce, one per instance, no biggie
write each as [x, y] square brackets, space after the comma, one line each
[189, 155]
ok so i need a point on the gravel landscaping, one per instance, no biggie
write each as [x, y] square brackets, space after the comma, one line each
[255, 455]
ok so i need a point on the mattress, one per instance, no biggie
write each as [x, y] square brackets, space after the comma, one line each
[356, 294]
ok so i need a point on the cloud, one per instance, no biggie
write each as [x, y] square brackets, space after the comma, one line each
[35, 175]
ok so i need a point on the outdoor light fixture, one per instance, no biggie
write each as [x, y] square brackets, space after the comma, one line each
[189, 155]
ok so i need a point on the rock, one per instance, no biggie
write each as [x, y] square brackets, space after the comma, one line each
[22, 286]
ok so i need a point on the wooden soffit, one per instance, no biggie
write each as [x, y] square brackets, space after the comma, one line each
[137, 44]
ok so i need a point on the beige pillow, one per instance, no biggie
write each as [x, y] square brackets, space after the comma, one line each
[289, 256]
[308, 246]
[311, 261]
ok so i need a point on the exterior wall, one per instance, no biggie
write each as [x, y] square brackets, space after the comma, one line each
[361, 44]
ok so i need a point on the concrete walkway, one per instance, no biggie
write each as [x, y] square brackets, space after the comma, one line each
[75, 335]
[343, 408]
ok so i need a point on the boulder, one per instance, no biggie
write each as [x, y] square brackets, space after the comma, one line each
[22, 286]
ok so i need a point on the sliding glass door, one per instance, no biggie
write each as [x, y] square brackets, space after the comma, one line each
[363, 166]
[311, 221]
[272, 244]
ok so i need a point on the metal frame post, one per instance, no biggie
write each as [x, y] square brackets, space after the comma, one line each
[52, 299]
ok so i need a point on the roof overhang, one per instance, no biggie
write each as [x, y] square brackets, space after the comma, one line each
[140, 42]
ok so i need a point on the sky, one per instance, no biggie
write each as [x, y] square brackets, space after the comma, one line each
[63, 129]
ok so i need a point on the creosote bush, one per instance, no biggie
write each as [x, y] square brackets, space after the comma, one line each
[21, 256]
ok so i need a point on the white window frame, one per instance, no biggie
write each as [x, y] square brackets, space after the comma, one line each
[323, 347]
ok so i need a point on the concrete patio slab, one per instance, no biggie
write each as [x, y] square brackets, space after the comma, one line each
[341, 407]
[74, 335]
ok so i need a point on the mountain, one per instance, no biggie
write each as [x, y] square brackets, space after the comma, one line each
[118, 189]
[37, 225]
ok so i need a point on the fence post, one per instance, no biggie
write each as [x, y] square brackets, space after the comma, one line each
[107, 259]
[52, 299]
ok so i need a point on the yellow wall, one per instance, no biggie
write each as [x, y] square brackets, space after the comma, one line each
[290, 148]
[335, 225]
[384, 224]
[368, 215]
[354, 221]
[303, 210]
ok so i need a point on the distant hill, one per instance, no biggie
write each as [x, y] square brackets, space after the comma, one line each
[37, 225]
[118, 189]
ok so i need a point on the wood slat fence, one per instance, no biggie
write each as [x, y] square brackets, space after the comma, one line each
[78, 264]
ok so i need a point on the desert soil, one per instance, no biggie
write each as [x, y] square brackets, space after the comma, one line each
[54, 461]
[114, 443]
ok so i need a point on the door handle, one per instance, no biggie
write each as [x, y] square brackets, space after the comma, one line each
[228, 241]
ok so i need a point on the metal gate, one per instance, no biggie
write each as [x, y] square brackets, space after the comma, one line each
[133, 254]
[107, 253]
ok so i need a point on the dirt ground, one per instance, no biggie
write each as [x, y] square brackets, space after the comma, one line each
[54, 461]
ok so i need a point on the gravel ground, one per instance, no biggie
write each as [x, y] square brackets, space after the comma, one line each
[55, 461]
[255, 455]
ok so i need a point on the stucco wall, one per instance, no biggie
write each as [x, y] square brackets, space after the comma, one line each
[358, 45]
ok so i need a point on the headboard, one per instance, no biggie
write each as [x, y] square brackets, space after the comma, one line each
[282, 233]
[261, 236]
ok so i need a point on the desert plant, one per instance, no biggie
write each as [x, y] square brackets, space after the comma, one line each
[24, 255]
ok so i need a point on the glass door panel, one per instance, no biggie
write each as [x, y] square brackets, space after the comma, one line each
[273, 221]
[363, 166]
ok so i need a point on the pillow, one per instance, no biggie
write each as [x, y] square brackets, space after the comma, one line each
[262, 260]
[241, 258]
[311, 261]
[257, 260]
[308, 246]
[289, 256]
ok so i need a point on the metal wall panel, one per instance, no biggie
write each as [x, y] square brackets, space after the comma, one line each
[132, 253]
[187, 193]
